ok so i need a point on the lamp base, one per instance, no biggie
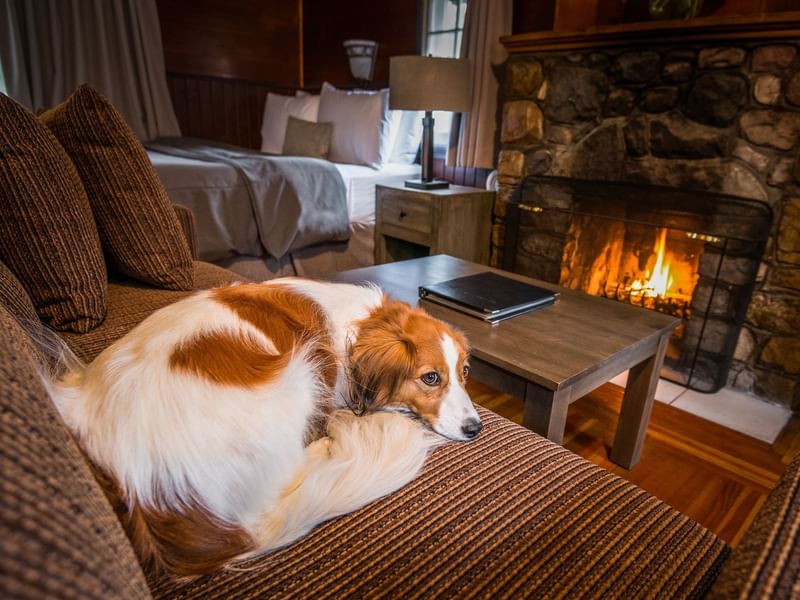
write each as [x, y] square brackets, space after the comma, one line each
[433, 184]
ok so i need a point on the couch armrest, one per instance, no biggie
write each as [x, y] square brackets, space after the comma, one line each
[766, 564]
[186, 219]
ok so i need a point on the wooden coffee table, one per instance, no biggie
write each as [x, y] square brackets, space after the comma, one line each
[552, 356]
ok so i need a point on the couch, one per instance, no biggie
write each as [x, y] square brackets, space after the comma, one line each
[510, 514]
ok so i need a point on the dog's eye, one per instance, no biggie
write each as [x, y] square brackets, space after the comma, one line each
[431, 378]
[465, 371]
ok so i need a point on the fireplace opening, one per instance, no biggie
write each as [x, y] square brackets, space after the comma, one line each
[690, 254]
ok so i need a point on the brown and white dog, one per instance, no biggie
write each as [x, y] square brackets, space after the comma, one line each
[225, 425]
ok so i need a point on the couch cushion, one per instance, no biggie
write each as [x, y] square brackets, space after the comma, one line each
[138, 228]
[14, 297]
[59, 537]
[130, 302]
[508, 515]
[47, 234]
[766, 564]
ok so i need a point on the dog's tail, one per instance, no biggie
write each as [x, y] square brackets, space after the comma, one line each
[361, 460]
[55, 356]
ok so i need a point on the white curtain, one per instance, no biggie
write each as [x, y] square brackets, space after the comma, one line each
[473, 133]
[50, 47]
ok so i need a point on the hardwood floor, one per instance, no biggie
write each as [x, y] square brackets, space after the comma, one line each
[715, 475]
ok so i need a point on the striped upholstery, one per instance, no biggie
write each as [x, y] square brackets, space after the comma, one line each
[47, 234]
[138, 228]
[59, 537]
[14, 297]
[129, 303]
[766, 564]
[186, 219]
[508, 515]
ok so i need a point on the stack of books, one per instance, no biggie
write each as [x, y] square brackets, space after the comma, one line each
[488, 296]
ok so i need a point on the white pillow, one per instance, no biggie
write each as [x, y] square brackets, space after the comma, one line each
[408, 137]
[361, 125]
[277, 111]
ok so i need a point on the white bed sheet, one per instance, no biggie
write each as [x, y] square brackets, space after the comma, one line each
[359, 181]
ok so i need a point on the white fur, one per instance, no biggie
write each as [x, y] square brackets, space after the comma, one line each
[456, 409]
[363, 459]
[170, 437]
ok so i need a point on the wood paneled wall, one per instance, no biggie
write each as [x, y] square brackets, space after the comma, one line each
[215, 108]
[391, 23]
[252, 40]
[224, 56]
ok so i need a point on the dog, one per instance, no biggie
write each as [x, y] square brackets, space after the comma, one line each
[232, 422]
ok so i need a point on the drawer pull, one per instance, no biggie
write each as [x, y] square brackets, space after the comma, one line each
[403, 214]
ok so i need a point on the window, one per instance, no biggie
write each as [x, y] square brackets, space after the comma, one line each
[2, 81]
[443, 28]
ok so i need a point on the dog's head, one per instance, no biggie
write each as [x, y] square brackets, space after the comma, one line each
[404, 359]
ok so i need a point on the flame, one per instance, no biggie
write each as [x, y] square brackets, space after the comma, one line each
[660, 281]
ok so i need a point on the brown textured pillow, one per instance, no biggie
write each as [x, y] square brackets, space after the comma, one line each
[138, 228]
[14, 297]
[306, 138]
[47, 234]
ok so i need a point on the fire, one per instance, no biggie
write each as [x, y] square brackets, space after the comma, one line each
[657, 284]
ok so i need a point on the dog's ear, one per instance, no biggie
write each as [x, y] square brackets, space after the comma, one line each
[381, 358]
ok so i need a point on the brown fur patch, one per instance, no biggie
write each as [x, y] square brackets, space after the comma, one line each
[395, 345]
[183, 544]
[290, 320]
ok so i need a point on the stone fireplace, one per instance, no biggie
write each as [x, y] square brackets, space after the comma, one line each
[693, 255]
[714, 117]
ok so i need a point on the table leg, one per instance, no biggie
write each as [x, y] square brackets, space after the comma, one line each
[637, 404]
[545, 411]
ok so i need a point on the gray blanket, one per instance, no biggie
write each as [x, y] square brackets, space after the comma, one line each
[295, 201]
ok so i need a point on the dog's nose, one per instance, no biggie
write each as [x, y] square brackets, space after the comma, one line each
[471, 428]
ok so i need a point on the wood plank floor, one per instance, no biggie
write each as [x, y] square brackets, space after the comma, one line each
[715, 475]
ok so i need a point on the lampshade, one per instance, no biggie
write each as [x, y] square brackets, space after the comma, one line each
[429, 83]
[361, 54]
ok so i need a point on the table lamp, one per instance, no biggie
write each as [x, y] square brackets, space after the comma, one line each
[428, 83]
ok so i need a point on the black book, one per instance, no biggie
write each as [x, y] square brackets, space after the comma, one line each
[488, 296]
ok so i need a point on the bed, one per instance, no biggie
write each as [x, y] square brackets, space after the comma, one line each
[267, 214]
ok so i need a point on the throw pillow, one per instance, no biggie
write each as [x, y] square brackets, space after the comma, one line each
[305, 138]
[138, 228]
[408, 138]
[277, 111]
[48, 237]
[361, 125]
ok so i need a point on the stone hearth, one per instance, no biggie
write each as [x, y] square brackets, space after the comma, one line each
[720, 118]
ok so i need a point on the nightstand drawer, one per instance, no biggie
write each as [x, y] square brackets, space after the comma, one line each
[403, 210]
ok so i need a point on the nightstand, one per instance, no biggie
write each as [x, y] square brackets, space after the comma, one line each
[412, 223]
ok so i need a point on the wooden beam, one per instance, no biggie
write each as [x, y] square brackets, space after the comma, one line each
[770, 26]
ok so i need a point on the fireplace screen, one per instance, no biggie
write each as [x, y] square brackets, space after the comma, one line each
[694, 255]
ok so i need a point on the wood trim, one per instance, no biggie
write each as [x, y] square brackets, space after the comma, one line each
[770, 26]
